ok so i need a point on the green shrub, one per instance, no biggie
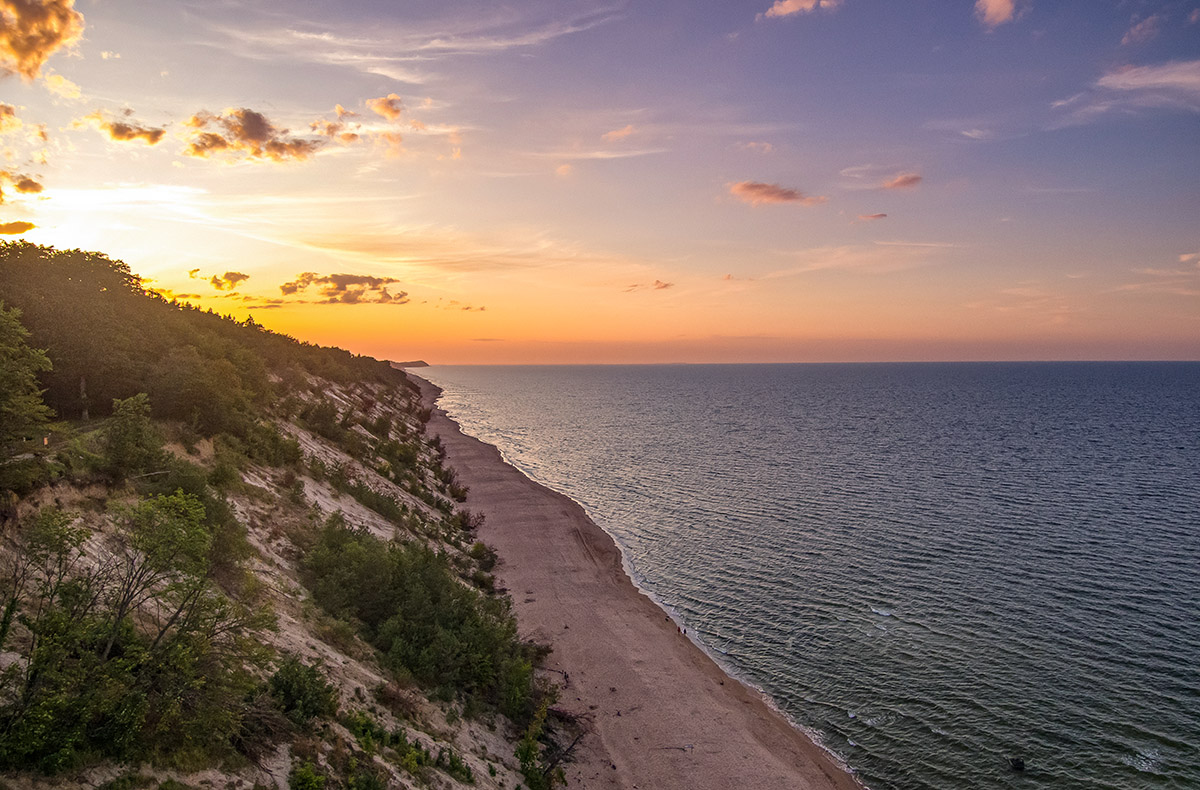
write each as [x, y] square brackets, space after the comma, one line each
[131, 441]
[427, 624]
[305, 777]
[301, 691]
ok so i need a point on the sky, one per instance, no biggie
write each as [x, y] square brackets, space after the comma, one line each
[554, 181]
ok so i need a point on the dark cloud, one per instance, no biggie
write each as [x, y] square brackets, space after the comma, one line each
[756, 193]
[22, 183]
[15, 228]
[122, 130]
[346, 288]
[228, 281]
[33, 30]
[902, 181]
[244, 131]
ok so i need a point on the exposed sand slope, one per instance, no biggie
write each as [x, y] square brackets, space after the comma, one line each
[663, 714]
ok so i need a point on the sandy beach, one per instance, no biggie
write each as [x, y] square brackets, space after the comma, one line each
[661, 713]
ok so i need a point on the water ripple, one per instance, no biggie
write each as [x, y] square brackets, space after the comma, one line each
[936, 567]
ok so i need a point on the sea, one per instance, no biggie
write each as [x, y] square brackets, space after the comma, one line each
[931, 568]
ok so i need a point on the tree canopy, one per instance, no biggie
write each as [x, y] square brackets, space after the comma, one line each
[21, 408]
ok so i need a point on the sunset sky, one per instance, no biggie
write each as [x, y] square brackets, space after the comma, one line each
[663, 181]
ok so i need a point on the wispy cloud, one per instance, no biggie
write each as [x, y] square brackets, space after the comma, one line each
[877, 258]
[1173, 86]
[618, 134]
[782, 8]
[861, 177]
[581, 153]
[757, 193]
[1143, 31]
[406, 54]
[61, 86]
[1183, 280]
[871, 217]
[657, 285]
[30, 32]
[902, 181]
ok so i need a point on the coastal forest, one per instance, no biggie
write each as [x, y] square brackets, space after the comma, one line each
[231, 557]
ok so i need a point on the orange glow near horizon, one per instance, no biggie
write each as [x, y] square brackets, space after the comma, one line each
[765, 191]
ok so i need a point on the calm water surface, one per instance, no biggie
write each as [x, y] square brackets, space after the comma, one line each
[932, 566]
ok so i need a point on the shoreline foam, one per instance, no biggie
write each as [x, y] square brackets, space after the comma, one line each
[660, 711]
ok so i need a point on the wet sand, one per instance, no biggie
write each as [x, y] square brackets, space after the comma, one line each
[661, 713]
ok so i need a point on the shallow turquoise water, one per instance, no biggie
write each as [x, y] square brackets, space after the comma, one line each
[933, 566]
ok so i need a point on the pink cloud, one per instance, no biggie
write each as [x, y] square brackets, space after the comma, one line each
[782, 8]
[993, 13]
[1143, 31]
[619, 134]
[902, 181]
[757, 193]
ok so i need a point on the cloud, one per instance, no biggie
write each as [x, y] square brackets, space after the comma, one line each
[756, 193]
[902, 181]
[110, 55]
[1194, 17]
[762, 148]
[58, 84]
[580, 153]
[15, 228]
[1174, 281]
[33, 30]
[243, 131]
[346, 288]
[1143, 31]
[993, 13]
[871, 217]
[390, 106]
[618, 134]
[9, 122]
[229, 281]
[123, 131]
[563, 170]
[657, 285]
[882, 257]
[1173, 86]
[21, 183]
[336, 130]
[1181, 76]
[782, 8]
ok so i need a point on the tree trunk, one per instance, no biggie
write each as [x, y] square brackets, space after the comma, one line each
[83, 398]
